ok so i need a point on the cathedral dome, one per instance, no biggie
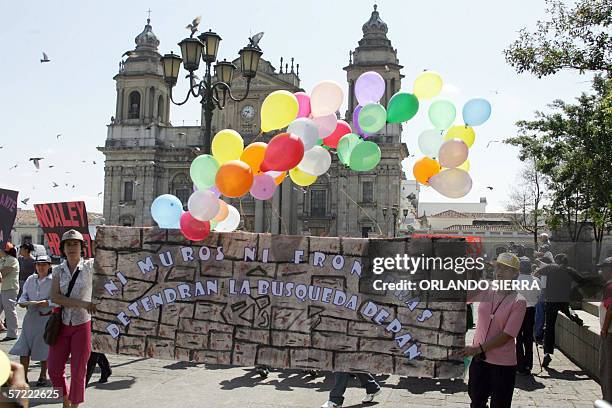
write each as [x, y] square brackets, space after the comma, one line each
[147, 39]
[375, 26]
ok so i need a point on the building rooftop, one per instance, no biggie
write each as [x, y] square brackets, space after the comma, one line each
[482, 228]
[457, 214]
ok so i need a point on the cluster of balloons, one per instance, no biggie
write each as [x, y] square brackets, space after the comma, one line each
[446, 147]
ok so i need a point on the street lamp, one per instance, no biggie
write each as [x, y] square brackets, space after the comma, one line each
[395, 212]
[205, 47]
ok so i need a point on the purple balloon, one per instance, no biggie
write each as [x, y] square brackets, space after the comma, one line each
[263, 187]
[369, 88]
[356, 128]
[214, 190]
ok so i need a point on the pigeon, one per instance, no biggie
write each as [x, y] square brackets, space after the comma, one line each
[254, 40]
[492, 141]
[51, 166]
[36, 161]
[11, 168]
[193, 27]
[99, 193]
[180, 134]
[490, 188]
[122, 203]
[136, 183]
[94, 162]
[58, 135]
[25, 201]
[55, 184]
[45, 58]
[495, 91]
[73, 186]
[128, 54]
[1, 147]
[83, 161]
[151, 162]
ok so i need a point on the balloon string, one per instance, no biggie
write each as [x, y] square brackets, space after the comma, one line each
[362, 209]
[280, 218]
[257, 137]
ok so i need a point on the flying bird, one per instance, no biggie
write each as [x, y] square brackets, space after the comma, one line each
[45, 58]
[99, 193]
[58, 135]
[490, 188]
[55, 184]
[11, 168]
[193, 27]
[25, 201]
[51, 166]
[128, 54]
[136, 182]
[180, 134]
[492, 141]
[36, 161]
[73, 186]
[1, 147]
[254, 40]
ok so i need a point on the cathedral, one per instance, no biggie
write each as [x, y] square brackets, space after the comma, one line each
[146, 155]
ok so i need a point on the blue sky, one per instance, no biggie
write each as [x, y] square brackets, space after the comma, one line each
[74, 94]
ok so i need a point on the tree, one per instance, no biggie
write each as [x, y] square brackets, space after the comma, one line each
[573, 147]
[526, 199]
[576, 38]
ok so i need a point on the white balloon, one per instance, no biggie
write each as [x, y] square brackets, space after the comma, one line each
[453, 153]
[307, 131]
[452, 183]
[231, 222]
[316, 161]
[326, 124]
[203, 205]
[430, 142]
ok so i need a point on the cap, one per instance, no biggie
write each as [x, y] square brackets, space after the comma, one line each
[42, 259]
[606, 262]
[525, 265]
[72, 234]
[8, 246]
[508, 259]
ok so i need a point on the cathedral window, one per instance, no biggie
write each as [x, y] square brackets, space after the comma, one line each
[367, 192]
[318, 203]
[128, 191]
[181, 187]
[160, 108]
[134, 105]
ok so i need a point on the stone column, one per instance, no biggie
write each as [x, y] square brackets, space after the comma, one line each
[259, 216]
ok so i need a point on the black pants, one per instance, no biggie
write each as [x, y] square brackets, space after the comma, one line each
[336, 395]
[97, 359]
[551, 311]
[491, 381]
[524, 342]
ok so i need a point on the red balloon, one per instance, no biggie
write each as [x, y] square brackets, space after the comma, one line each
[284, 152]
[193, 229]
[342, 128]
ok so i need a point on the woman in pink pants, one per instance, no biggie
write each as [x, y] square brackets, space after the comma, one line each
[74, 275]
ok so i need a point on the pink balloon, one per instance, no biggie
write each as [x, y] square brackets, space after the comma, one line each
[326, 124]
[192, 229]
[342, 128]
[263, 187]
[303, 103]
[453, 153]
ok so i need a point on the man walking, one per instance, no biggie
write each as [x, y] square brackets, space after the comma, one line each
[605, 320]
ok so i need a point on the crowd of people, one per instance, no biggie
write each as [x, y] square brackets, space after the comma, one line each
[508, 322]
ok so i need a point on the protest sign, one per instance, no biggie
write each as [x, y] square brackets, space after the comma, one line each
[57, 218]
[8, 212]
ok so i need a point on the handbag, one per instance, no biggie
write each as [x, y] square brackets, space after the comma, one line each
[482, 356]
[54, 324]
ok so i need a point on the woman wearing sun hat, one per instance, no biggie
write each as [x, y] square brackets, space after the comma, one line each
[9, 274]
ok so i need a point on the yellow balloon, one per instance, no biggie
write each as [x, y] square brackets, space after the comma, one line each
[465, 133]
[227, 145]
[427, 85]
[301, 178]
[279, 109]
[465, 166]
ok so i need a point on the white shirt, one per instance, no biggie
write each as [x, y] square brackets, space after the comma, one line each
[531, 296]
[35, 289]
[82, 290]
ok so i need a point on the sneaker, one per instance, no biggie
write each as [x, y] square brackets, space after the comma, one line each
[331, 404]
[370, 397]
[546, 361]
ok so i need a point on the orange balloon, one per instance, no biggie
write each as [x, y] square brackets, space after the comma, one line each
[223, 211]
[424, 169]
[234, 178]
[253, 155]
[280, 178]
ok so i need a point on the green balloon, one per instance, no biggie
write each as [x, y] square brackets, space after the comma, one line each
[213, 224]
[346, 144]
[442, 114]
[203, 171]
[365, 156]
[402, 107]
[372, 118]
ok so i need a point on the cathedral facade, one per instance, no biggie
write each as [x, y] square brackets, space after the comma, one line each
[147, 156]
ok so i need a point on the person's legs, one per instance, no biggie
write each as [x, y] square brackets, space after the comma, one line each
[43, 370]
[552, 309]
[25, 362]
[502, 386]
[520, 348]
[56, 361]
[80, 346]
[9, 301]
[336, 395]
[91, 366]
[479, 384]
[368, 382]
[605, 367]
[539, 321]
[104, 366]
[527, 332]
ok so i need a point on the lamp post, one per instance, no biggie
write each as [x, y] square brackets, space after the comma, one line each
[213, 94]
[395, 213]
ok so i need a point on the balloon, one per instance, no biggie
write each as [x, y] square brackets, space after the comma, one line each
[231, 222]
[326, 124]
[326, 98]
[452, 183]
[284, 152]
[253, 155]
[369, 88]
[346, 146]
[263, 187]
[203, 170]
[166, 210]
[203, 205]
[316, 161]
[424, 169]
[464, 133]
[301, 178]
[402, 107]
[192, 228]
[427, 85]
[279, 109]
[303, 104]
[430, 142]
[365, 156]
[307, 130]
[278, 176]
[465, 166]
[372, 118]
[223, 212]
[476, 111]
[442, 114]
[453, 153]
[356, 127]
[227, 145]
[234, 178]
[342, 128]
[215, 190]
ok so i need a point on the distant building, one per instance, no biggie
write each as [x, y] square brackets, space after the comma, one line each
[428, 209]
